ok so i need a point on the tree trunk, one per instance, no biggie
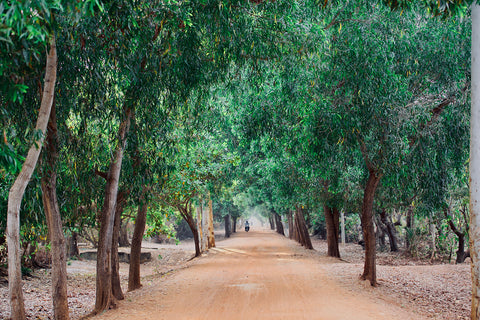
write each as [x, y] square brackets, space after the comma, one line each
[390, 229]
[234, 228]
[193, 226]
[73, 245]
[17, 191]
[410, 229]
[211, 234]
[381, 232]
[342, 224]
[136, 249]
[332, 216]
[475, 164]
[116, 286]
[199, 229]
[433, 240]
[272, 222]
[369, 270]
[461, 254]
[278, 223]
[228, 226]
[290, 224]
[104, 298]
[123, 237]
[204, 245]
[302, 229]
[54, 221]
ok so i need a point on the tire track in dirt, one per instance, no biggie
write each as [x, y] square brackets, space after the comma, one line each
[255, 275]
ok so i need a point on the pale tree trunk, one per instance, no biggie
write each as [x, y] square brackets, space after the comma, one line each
[204, 227]
[475, 164]
[199, 222]
[135, 251]
[54, 221]
[201, 227]
[17, 191]
[116, 286]
[369, 270]
[104, 298]
[433, 239]
[211, 234]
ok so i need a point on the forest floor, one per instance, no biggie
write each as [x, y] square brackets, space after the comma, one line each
[261, 275]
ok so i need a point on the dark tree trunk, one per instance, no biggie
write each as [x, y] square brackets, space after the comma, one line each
[188, 217]
[302, 230]
[228, 226]
[272, 222]
[369, 270]
[390, 229]
[136, 249]
[461, 254]
[290, 224]
[104, 298]
[332, 221]
[278, 223]
[123, 237]
[381, 232]
[54, 220]
[73, 245]
[234, 228]
[409, 229]
[116, 287]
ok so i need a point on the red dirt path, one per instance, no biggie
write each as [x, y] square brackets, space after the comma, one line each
[255, 275]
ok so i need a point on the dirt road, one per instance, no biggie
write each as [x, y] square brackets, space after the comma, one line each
[255, 275]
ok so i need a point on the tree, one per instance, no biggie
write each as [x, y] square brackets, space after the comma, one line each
[16, 192]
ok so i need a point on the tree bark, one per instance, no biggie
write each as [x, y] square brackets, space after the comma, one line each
[73, 245]
[116, 287]
[17, 191]
[136, 249]
[290, 224]
[54, 220]
[211, 234]
[332, 216]
[302, 229]
[461, 254]
[228, 226]
[104, 298]
[475, 164]
[123, 237]
[369, 270]
[234, 228]
[278, 223]
[410, 229]
[272, 222]
[390, 229]
[187, 215]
